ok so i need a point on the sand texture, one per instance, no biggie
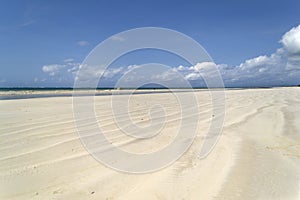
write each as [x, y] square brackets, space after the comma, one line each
[257, 156]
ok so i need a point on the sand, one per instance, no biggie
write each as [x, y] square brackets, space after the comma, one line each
[257, 156]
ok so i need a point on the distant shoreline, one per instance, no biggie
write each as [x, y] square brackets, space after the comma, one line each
[129, 88]
[46, 93]
[30, 93]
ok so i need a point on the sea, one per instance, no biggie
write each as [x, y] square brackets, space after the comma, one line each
[31, 92]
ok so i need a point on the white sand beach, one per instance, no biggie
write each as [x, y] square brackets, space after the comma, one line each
[257, 156]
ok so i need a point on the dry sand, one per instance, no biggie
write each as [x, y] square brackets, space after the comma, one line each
[257, 157]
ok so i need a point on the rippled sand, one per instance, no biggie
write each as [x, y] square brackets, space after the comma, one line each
[257, 157]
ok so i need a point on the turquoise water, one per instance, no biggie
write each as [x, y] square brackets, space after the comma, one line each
[28, 93]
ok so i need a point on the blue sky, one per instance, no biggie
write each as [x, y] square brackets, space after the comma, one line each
[35, 34]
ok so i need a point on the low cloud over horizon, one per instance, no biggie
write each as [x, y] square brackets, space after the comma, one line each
[278, 69]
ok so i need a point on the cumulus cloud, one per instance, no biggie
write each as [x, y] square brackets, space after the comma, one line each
[91, 73]
[52, 69]
[204, 66]
[279, 68]
[272, 70]
[165, 75]
[110, 73]
[291, 41]
[192, 76]
[83, 43]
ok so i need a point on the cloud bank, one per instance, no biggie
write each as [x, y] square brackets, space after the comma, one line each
[278, 69]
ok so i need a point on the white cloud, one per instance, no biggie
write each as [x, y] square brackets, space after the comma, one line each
[204, 66]
[52, 69]
[69, 60]
[166, 75]
[74, 69]
[291, 43]
[110, 73]
[291, 40]
[280, 68]
[255, 64]
[117, 38]
[180, 68]
[261, 71]
[192, 76]
[132, 67]
[93, 73]
[293, 63]
[83, 43]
